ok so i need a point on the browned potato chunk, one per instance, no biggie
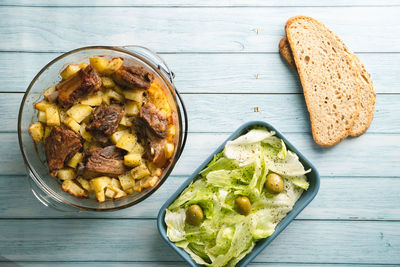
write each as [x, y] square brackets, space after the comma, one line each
[37, 131]
[70, 71]
[140, 171]
[74, 189]
[79, 112]
[66, 174]
[77, 158]
[52, 116]
[99, 184]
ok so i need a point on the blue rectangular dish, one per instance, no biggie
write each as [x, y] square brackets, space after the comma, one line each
[304, 200]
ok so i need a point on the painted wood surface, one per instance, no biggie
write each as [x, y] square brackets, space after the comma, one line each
[205, 3]
[340, 198]
[191, 29]
[370, 155]
[224, 55]
[125, 239]
[216, 73]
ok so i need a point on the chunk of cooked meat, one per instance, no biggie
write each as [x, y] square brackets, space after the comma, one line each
[154, 145]
[105, 119]
[61, 145]
[108, 160]
[154, 120]
[85, 82]
[133, 77]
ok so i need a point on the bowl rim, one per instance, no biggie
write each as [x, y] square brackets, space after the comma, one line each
[283, 224]
[33, 175]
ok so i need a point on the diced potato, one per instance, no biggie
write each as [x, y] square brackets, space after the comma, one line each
[99, 64]
[154, 169]
[116, 183]
[135, 95]
[49, 91]
[131, 108]
[63, 116]
[85, 134]
[70, 71]
[127, 142]
[137, 149]
[129, 191]
[66, 174]
[117, 135]
[113, 66]
[169, 150]
[137, 187]
[42, 116]
[140, 171]
[114, 95]
[83, 65]
[37, 131]
[120, 194]
[126, 181]
[77, 158]
[71, 123]
[126, 121]
[79, 112]
[107, 82]
[110, 193]
[93, 100]
[84, 183]
[132, 160]
[47, 132]
[105, 99]
[42, 105]
[118, 89]
[99, 184]
[52, 115]
[171, 130]
[74, 189]
[148, 181]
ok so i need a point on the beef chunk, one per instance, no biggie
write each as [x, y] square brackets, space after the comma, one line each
[154, 145]
[105, 161]
[61, 145]
[105, 119]
[154, 120]
[85, 82]
[133, 77]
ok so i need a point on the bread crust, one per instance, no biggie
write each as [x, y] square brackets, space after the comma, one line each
[339, 136]
[362, 123]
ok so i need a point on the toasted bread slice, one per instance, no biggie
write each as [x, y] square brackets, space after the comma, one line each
[330, 79]
[367, 97]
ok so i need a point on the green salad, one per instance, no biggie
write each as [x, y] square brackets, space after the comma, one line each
[239, 198]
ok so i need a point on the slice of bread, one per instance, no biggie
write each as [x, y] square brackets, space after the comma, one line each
[330, 79]
[367, 93]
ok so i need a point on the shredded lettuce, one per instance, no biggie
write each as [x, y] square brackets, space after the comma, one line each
[224, 237]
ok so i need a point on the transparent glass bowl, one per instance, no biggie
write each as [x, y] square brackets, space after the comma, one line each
[47, 189]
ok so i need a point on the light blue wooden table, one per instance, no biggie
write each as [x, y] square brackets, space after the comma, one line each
[226, 61]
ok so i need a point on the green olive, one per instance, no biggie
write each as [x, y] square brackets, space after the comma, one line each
[194, 215]
[274, 183]
[243, 205]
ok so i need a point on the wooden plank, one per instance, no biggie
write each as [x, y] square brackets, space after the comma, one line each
[352, 197]
[255, 29]
[209, 112]
[215, 73]
[205, 3]
[139, 240]
[368, 155]
[162, 264]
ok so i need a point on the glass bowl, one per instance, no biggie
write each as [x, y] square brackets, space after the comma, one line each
[47, 189]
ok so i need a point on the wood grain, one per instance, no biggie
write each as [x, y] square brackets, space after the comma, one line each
[205, 3]
[224, 29]
[369, 155]
[215, 73]
[352, 197]
[225, 112]
[103, 240]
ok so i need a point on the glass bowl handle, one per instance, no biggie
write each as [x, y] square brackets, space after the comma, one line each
[47, 200]
[162, 66]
